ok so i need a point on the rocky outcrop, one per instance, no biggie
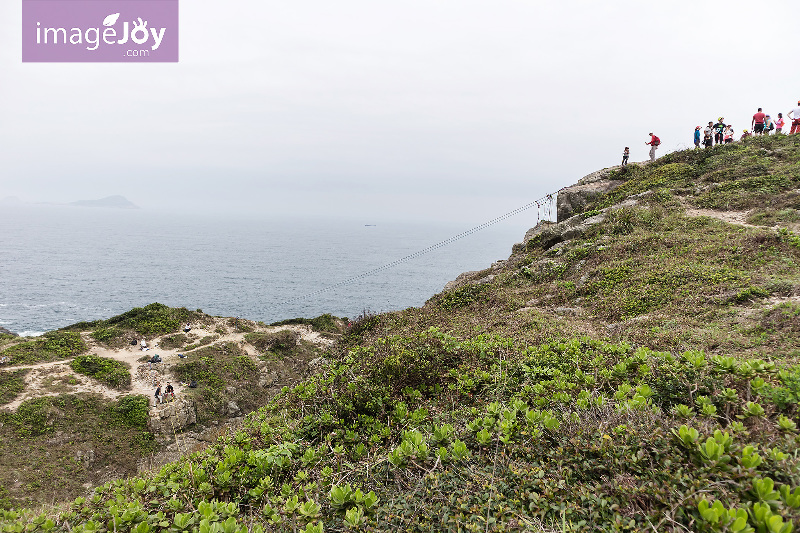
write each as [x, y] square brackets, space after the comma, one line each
[549, 234]
[170, 418]
[576, 198]
[468, 278]
[4, 331]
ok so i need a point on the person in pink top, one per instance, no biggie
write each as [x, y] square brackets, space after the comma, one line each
[757, 124]
[794, 114]
[779, 122]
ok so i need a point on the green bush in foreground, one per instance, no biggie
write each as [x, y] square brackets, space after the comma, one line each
[109, 371]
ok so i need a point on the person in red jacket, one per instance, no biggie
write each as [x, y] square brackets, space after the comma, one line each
[654, 142]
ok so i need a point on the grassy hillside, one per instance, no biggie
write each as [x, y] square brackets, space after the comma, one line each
[641, 377]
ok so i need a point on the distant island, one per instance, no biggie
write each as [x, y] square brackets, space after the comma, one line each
[116, 202]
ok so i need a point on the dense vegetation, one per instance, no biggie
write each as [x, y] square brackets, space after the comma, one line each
[52, 446]
[53, 346]
[148, 321]
[642, 377]
[326, 323]
[11, 384]
[109, 371]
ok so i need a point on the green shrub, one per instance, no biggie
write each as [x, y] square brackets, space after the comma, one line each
[108, 371]
[106, 335]
[279, 341]
[152, 319]
[134, 409]
[11, 384]
[52, 346]
[325, 323]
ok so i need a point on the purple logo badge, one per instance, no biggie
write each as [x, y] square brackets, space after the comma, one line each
[68, 31]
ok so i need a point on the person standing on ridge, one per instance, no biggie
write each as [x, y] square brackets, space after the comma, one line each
[729, 134]
[654, 143]
[769, 125]
[707, 133]
[779, 123]
[794, 114]
[757, 124]
[719, 131]
[697, 137]
[625, 156]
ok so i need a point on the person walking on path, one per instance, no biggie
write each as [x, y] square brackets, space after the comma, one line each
[719, 131]
[654, 143]
[697, 138]
[794, 114]
[779, 122]
[625, 156]
[757, 124]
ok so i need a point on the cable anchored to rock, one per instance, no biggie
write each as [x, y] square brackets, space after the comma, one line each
[544, 201]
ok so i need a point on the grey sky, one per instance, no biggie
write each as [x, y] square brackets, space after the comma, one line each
[415, 109]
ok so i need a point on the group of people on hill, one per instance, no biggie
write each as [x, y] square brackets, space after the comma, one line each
[719, 132]
[761, 124]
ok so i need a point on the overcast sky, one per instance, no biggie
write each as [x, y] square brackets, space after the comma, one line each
[412, 109]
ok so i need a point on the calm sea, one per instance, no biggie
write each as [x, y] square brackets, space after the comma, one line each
[60, 265]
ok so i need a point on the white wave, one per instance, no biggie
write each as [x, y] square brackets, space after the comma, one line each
[31, 333]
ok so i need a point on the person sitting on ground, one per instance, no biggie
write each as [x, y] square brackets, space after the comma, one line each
[697, 137]
[169, 392]
[719, 131]
[625, 154]
[158, 394]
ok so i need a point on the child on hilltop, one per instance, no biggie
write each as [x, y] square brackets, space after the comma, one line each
[729, 134]
[779, 122]
[697, 138]
[745, 135]
[625, 156]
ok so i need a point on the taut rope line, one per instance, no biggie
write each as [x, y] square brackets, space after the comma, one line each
[544, 201]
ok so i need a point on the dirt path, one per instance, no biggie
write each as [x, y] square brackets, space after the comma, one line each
[54, 378]
[731, 217]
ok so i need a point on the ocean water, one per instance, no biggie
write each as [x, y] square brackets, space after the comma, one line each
[60, 265]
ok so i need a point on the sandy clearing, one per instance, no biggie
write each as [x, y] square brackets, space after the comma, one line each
[59, 378]
[731, 217]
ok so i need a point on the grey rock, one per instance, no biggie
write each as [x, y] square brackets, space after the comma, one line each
[168, 418]
[576, 198]
[233, 408]
[567, 311]
[7, 332]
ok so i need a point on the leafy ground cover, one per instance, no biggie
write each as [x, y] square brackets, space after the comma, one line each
[53, 346]
[11, 384]
[113, 373]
